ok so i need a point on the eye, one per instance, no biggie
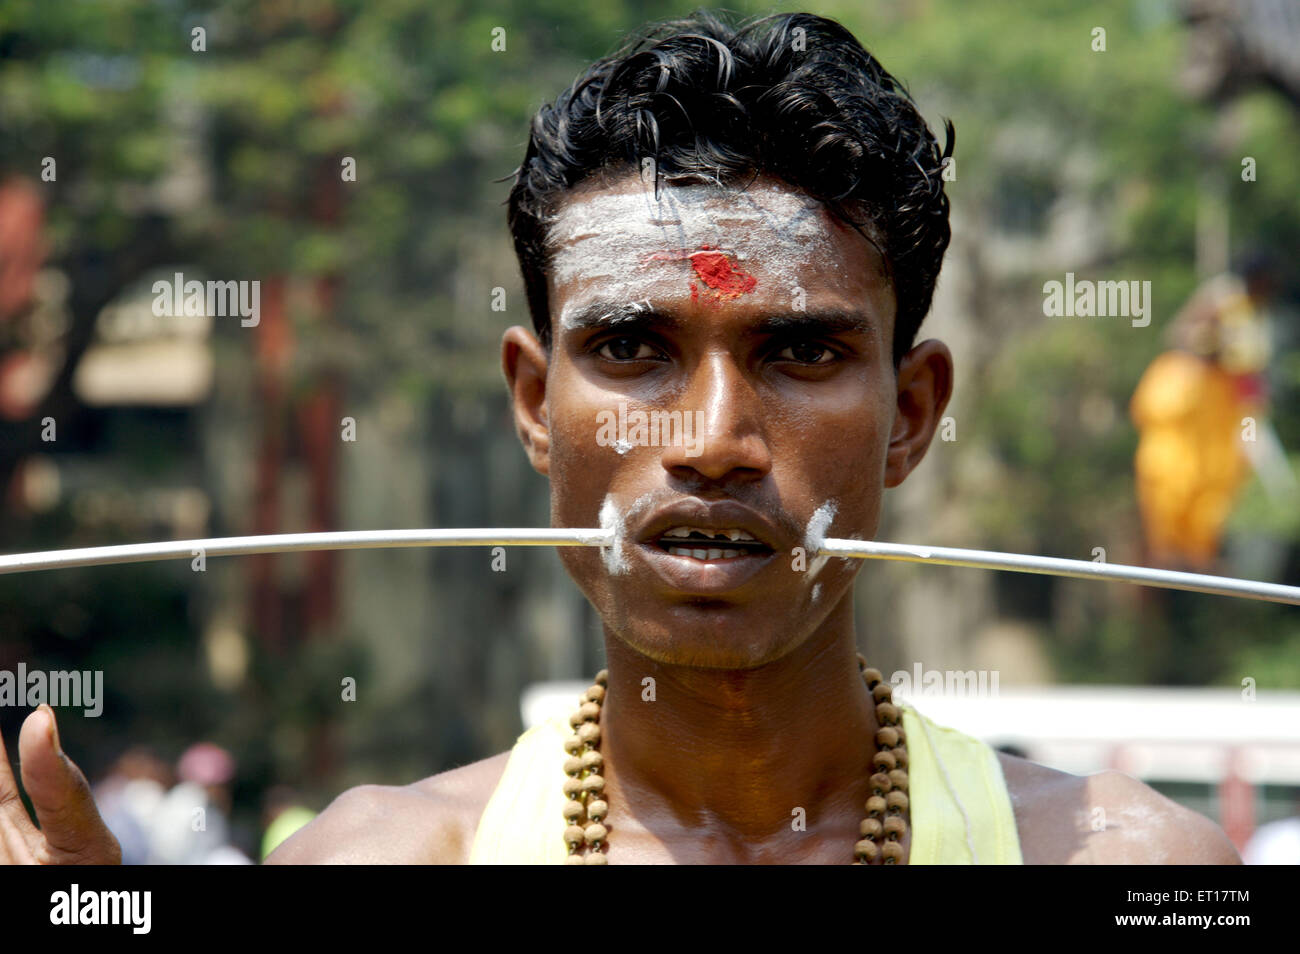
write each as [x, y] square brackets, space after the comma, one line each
[625, 348]
[808, 352]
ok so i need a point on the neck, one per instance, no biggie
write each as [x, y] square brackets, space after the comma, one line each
[735, 752]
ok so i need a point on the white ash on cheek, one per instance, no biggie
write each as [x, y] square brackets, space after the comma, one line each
[614, 556]
[611, 519]
[818, 524]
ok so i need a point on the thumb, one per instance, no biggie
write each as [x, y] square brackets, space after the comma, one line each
[61, 796]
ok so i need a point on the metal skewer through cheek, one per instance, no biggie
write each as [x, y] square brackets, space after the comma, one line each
[291, 542]
[1075, 569]
[568, 537]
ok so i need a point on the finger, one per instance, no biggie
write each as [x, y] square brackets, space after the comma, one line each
[60, 794]
[16, 828]
[18, 840]
[11, 802]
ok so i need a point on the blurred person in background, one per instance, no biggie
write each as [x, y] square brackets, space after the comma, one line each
[129, 797]
[1200, 412]
[191, 825]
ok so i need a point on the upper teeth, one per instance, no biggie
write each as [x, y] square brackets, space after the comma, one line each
[731, 533]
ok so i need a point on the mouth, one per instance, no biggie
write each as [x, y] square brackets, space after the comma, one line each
[707, 548]
[706, 545]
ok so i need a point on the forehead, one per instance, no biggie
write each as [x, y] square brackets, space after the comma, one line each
[617, 241]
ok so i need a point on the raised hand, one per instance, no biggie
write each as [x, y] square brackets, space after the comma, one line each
[71, 830]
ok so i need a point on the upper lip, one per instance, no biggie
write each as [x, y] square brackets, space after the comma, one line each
[716, 516]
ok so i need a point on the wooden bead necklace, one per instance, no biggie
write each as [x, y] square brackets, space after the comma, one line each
[882, 831]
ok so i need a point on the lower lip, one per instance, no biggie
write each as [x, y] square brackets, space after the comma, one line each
[690, 575]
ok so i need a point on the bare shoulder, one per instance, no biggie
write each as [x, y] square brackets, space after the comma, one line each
[1106, 818]
[431, 821]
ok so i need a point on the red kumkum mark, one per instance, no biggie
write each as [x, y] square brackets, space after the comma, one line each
[716, 269]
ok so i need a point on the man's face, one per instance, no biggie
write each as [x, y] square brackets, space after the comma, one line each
[721, 360]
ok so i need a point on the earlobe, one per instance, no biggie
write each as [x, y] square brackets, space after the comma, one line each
[524, 362]
[925, 377]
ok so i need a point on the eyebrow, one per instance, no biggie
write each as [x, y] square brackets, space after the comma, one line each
[642, 316]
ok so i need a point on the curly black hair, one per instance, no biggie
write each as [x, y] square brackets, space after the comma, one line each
[794, 96]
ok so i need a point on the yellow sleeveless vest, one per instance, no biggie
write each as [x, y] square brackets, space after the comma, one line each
[960, 810]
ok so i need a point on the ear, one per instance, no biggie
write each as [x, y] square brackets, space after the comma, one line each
[924, 387]
[524, 361]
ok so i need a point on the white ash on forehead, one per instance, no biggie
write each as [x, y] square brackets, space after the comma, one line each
[616, 238]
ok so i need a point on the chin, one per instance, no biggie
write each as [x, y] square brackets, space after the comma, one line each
[705, 637]
[695, 654]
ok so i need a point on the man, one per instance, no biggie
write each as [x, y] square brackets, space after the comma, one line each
[738, 232]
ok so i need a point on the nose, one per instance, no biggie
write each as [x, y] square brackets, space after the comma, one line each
[722, 415]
